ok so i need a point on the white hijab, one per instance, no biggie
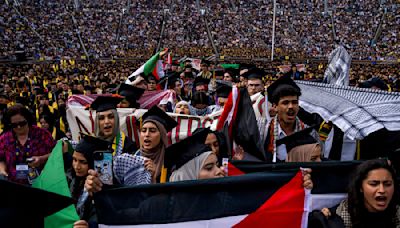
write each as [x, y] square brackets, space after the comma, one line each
[191, 169]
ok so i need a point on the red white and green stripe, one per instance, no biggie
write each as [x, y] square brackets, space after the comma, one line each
[153, 66]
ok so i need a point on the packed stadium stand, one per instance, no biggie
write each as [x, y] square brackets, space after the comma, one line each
[134, 29]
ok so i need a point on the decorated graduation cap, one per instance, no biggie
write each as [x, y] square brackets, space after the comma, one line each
[89, 144]
[179, 153]
[254, 73]
[299, 138]
[283, 86]
[155, 113]
[104, 103]
[18, 199]
[223, 89]
[131, 94]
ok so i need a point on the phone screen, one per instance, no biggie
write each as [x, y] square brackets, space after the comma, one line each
[103, 166]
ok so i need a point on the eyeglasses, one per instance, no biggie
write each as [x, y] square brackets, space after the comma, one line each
[19, 124]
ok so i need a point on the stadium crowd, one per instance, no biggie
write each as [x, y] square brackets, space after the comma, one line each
[34, 106]
[270, 126]
[241, 29]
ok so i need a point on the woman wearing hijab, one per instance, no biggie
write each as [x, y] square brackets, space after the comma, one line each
[301, 147]
[182, 107]
[153, 139]
[191, 159]
[204, 166]
[305, 153]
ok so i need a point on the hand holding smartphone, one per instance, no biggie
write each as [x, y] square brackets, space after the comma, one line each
[103, 162]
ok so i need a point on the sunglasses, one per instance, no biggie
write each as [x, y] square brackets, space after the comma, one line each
[19, 124]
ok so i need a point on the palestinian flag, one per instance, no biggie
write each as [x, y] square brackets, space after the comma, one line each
[268, 199]
[153, 66]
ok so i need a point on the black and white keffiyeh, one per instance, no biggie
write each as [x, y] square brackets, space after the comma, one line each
[338, 70]
[356, 111]
[129, 170]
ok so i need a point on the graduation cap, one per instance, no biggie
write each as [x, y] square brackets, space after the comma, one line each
[22, 100]
[374, 82]
[88, 87]
[21, 84]
[151, 77]
[4, 95]
[219, 72]
[24, 206]
[179, 153]
[299, 138]
[189, 75]
[200, 98]
[172, 78]
[104, 103]
[223, 89]
[205, 62]
[254, 73]
[155, 113]
[131, 94]
[112, 88]
[200, 81]
[282, 83]
[39, 91]
[89, 144]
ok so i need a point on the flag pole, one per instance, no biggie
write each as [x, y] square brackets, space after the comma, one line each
[273, 32]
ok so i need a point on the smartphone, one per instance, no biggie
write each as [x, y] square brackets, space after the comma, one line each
[103, 166]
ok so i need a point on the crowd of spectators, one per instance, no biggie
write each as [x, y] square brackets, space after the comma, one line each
[133, 29]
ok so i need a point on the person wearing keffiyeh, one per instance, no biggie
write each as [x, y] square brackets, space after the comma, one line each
[284, 95]
[153, 141]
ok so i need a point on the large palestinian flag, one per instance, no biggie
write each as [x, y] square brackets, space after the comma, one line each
[273, 198]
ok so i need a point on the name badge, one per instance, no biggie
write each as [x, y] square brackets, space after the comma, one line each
[22, 171]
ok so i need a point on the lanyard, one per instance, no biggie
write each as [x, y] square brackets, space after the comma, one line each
[18, 151]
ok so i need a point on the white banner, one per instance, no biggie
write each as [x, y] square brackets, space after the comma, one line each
[82, 121]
